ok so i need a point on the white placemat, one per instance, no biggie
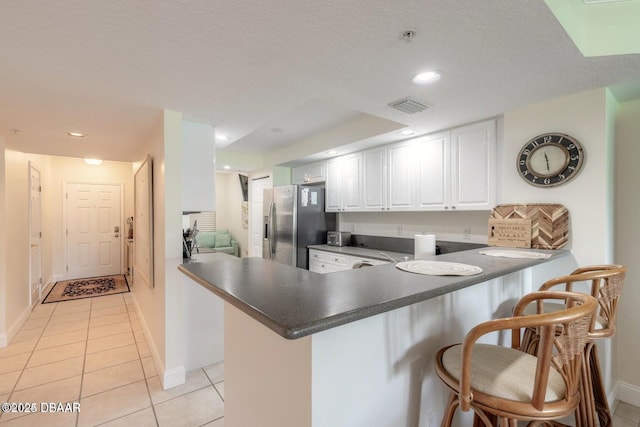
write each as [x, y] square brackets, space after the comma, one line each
[514, 254]
[438, 268]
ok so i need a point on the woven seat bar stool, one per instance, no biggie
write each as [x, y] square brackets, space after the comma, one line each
[504, 385]
[606, 283]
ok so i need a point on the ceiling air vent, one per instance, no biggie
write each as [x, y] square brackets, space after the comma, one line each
[409, 105]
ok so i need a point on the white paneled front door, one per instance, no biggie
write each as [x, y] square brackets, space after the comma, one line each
[93, 230]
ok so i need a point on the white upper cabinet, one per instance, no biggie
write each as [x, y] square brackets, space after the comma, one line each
[352, 182]
[402, 165]
[473, 166]
[305, 174]
[433, 172]
[198, 167]
[452, 170]
[374, 179]
[344, 184]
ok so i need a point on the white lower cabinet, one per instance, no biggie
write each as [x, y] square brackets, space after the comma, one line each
[329, 262]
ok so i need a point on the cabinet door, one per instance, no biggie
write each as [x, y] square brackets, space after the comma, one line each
[374, 179]
[400, 189]
[433, 175]
[313, 172]
[473, 166]
[351, 179]
[333, 190]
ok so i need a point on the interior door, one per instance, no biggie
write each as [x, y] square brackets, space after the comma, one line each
[93, 230]
[35, 236]
[255, 213]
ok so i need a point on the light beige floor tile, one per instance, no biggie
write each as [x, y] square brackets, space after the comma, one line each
[107, 301]
[139, 335]
[101, 312]
[13, 363]
[109, 320]
[619, 421]
[103, 331]
[113, 404]
[7, 381]
[112, 357]
[110, 378]
[143, 348]
[50, 372]
[215, 372]
[67, 390]
[629, 412]
[61, 328]
[58, 419]
[69, 317]
[144, 418]
[56, 354]
[61, 339]
[149, 367]
[220, 387]
[43, 310]
[38, 322]
[71, 307]
[217, 423]
[18, 347]
[193, 409]
[195, 380]
[27, 334]
[109, 342]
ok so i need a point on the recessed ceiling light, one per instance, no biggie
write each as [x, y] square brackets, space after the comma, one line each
[221, 138]
[93, 162]
[427, 77]
[406, 132]
[76, 134]
[226, 167]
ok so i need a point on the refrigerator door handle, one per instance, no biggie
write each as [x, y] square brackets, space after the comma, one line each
[272, 230]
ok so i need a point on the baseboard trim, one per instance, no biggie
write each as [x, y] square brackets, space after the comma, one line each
[169, 378]
[7, 336]
[628, 393]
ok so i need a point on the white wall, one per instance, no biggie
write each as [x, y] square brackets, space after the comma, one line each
[161, 306]
[587, 197]
[627, 251]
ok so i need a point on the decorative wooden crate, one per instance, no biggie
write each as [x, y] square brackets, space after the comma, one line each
[549, 226]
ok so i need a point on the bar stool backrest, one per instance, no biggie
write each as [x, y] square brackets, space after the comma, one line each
[607, 282]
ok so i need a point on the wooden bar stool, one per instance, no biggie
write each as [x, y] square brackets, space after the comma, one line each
[506, 384]
[606, 283]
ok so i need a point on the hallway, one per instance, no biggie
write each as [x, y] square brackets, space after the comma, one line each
[93, 351]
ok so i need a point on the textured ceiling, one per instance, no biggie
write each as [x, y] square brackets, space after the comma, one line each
[109, 68]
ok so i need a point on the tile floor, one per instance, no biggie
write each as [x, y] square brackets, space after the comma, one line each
[93, 351]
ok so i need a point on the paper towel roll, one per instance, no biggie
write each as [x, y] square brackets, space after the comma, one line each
[425, 246]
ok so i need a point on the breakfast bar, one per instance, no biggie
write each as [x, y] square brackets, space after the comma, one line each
[351, 348]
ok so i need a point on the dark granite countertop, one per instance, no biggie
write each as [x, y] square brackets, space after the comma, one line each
[295, 302]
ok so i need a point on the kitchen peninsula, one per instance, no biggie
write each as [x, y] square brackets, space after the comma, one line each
[352, 348]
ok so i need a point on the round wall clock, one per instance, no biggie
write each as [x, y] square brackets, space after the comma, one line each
[550, 159]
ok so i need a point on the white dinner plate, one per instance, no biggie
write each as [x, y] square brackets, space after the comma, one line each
[438, 268]
[515, 254]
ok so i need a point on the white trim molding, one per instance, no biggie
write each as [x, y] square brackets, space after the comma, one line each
[169, 378]
[628, 393]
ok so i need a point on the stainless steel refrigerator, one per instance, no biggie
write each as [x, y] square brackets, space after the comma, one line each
[294, 218]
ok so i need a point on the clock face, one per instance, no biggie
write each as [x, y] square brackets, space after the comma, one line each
[550, 159]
